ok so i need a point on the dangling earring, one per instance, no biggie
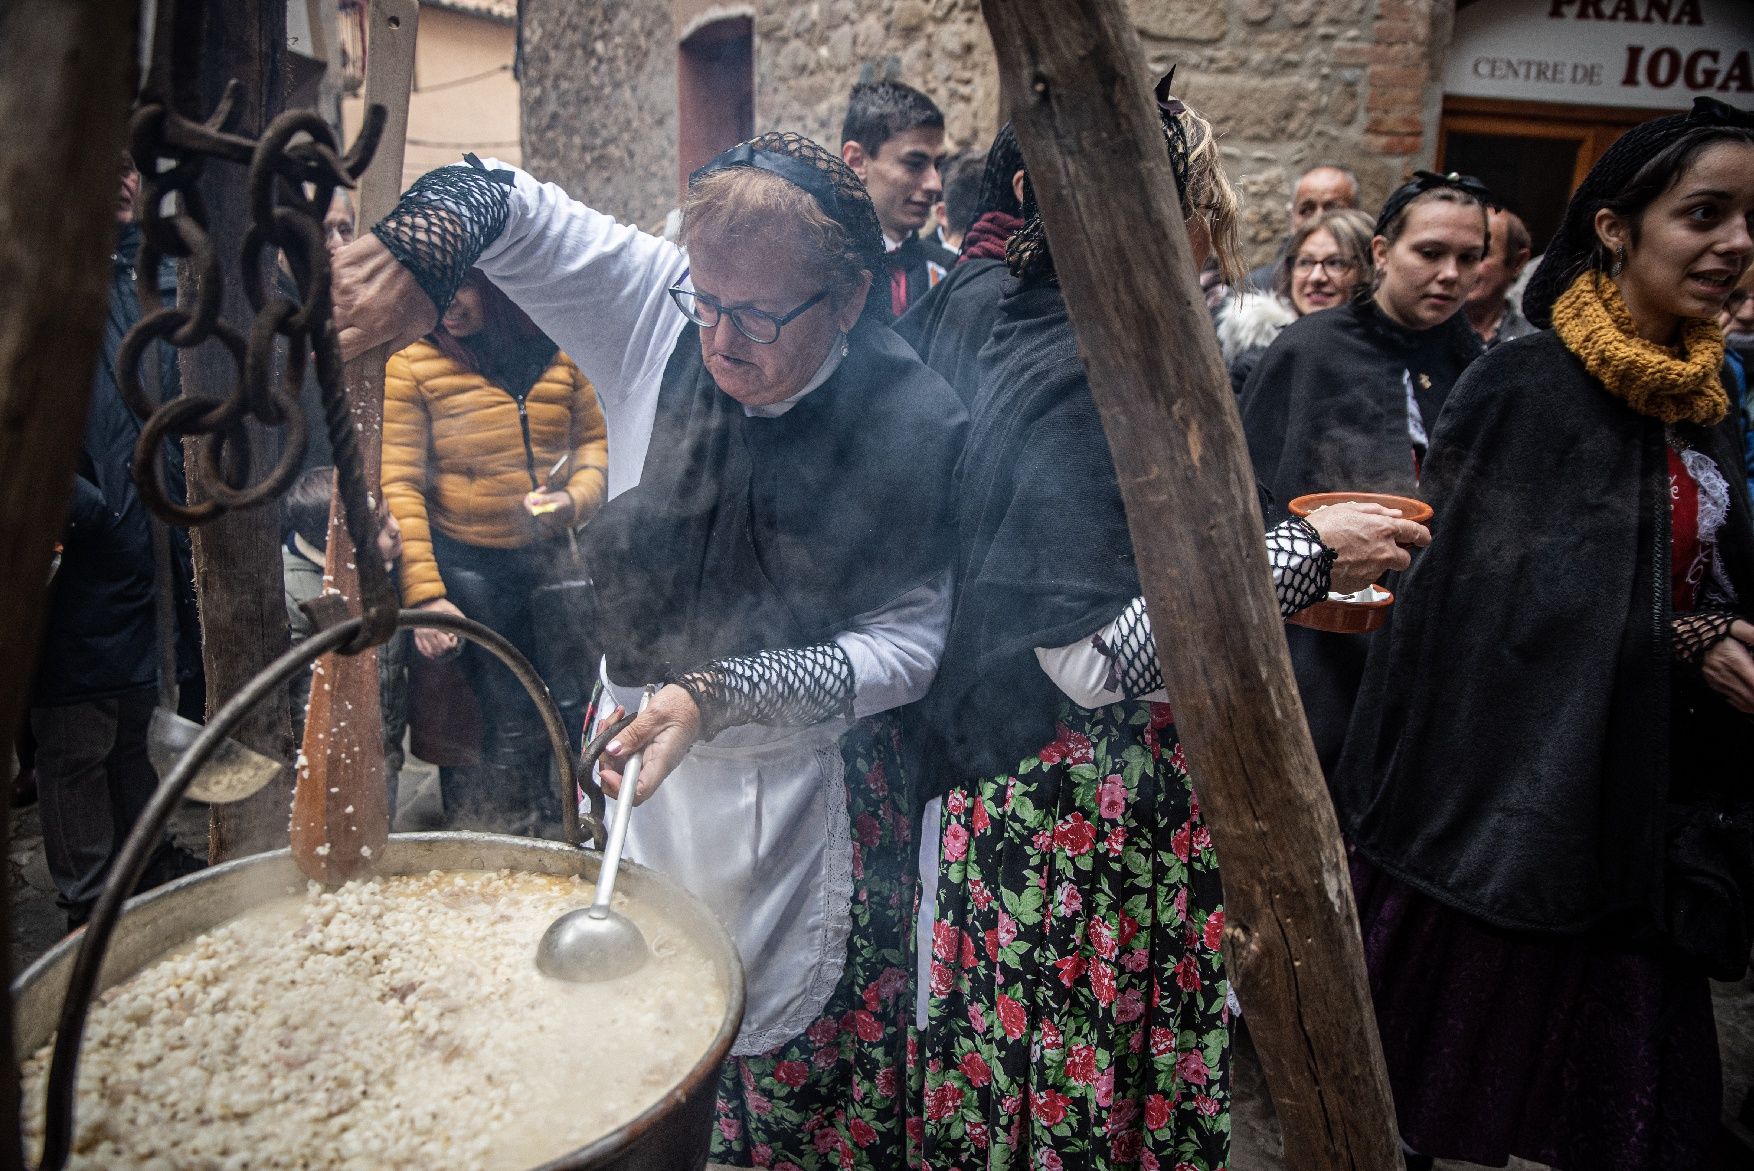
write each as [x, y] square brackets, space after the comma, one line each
[843, 344]
[1619, 264]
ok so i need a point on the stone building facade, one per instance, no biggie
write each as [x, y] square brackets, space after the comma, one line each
[1289, 82]
[617, 91]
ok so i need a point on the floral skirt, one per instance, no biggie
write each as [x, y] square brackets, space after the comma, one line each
[1077, 1013]
[835, 1096]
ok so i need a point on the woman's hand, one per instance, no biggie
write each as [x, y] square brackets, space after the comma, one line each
[552, 509]
[1370, 540]
[377, 301]
[436, 644]
[1729, 667]
[666, 730]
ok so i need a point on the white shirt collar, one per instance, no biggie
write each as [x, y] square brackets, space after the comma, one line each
[890, 245]
[829, 365]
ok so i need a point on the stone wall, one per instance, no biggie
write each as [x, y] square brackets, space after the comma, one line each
[599, 100]
[1289, 83]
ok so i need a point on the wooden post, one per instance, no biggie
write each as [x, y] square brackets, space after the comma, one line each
[66, 77]
[340, 808]
[238, 578]
[1075, 76]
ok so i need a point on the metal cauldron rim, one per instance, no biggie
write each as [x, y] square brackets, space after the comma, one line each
[42, 985]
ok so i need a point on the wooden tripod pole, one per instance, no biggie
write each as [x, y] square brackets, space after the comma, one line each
[1075, 78]
[66, 77]
[340, 805]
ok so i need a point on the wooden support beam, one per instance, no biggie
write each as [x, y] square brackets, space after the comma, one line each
[238, 578]
[1074, 75]
[66, 77]
[340, 812]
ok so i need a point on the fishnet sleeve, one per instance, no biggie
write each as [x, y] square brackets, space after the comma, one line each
[1695, 634]
[1131, 650]
[1302, 565]
[789, 688]
[444, 222]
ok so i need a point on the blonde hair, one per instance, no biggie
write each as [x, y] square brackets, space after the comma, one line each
[1210, 195]
[744, 206]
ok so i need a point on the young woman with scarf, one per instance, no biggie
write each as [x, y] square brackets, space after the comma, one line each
[1547, 781]
[1074, 1000]
[774, 554]
[1344, 400]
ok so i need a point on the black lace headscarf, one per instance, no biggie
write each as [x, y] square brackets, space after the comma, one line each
[1004, 160]
[1028, 255]
[1633, 165]
[824, 177]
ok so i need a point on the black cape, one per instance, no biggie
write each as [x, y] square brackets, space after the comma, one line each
[748, 533]
[1326, 410]
[950, 325]
[1044, 557]
[1521, 727]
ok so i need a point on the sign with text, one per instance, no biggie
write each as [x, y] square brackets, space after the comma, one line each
[1647, 53]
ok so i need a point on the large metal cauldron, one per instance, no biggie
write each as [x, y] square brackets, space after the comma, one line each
[55, 993]
[671, 1135]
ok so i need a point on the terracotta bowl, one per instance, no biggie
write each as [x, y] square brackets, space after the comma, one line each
[1416, 511]
[1349, 617]
[1337, 617]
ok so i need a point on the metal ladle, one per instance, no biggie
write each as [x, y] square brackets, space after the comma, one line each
[591, 944]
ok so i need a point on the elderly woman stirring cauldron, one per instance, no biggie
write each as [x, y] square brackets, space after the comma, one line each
[774, 553]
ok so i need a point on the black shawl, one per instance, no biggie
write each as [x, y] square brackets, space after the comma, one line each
[746, 533]
[1326, 406]
[1515, 740]
[1326, 410]
[949, 325]
[1044, 557]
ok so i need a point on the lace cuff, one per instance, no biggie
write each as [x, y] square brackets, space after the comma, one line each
[1302, 565]
[1131, 650]
[1695, 634]
[789, 688]
[443, 224]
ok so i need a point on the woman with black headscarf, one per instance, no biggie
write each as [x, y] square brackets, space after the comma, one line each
[774, 556]
[1547, 783]
[1074, 998]
[950, 324]
[1344, 400]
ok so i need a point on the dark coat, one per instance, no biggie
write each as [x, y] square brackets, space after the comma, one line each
[101, 635]
[1522, 732]
[949, 325]
[1044, 555]
[922, 263]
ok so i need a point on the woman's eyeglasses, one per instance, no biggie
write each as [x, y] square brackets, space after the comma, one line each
[754, 324]
[1334, 265]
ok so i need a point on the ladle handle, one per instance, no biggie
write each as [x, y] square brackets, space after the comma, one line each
[618, 827]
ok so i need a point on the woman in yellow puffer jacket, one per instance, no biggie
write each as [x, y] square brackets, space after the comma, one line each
[494, 447]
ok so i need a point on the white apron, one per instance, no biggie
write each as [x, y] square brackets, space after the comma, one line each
[754, 824]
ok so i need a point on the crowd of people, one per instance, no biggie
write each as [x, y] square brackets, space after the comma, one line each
[823, 482]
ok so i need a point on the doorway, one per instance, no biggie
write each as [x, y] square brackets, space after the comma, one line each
[1531, 155]
[715, 91]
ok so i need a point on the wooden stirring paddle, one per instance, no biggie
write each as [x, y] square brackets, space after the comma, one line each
[340, 804]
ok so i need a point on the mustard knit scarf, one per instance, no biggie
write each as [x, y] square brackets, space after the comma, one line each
[1591, 319]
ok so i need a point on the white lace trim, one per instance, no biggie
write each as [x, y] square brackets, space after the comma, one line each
[1714, 493]
[1714, 509]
